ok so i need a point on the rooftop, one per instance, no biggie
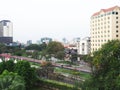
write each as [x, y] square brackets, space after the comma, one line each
[105, 10]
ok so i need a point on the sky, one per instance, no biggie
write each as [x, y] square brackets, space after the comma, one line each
[57, 19]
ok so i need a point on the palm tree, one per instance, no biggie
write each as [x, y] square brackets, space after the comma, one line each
[11, 81]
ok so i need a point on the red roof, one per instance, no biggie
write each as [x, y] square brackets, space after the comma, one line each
[105, 10]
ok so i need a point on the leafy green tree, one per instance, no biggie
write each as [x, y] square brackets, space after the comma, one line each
[54, 48]
[11, 81]
[88, 84]
[60, 55]
[2, 67]
[106, 66]
[8, 65]
[33, 47]
[24, 69]
[43, 46]
[35, 54]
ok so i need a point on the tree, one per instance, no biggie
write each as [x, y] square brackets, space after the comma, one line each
[2, 48]
[54, 48]
[43, 46]
[11, 81]
[2, 67]
[33, 47]
[47, 69]
[35, 54]
[8, 65]
[24, 69]
[106, 66]
[60, 55]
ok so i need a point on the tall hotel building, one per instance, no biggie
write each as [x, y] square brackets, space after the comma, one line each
[6, 32]
[104, 26]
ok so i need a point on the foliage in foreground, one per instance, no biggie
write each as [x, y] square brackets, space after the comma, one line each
[11, 81]
[23, 69]
[106, 68]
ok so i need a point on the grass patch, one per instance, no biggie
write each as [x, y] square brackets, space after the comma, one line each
[46, 84]
[66, 62]
[33, 63]
[73, 72]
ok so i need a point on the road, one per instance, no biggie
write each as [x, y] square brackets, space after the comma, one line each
[83, 69]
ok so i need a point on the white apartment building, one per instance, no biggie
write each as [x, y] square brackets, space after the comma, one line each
[104, 26]
[6, 28]
[6, 32]
[83, 46]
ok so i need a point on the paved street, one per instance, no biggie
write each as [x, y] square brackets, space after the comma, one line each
[82, 68]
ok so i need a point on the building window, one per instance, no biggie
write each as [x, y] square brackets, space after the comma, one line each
[116, 26]
[116, 21]
[116, 13]
[116, 31]
[109, 13]
[82, 49]
[116, 35]
[113, 12]
[116, 17]
[83, 44]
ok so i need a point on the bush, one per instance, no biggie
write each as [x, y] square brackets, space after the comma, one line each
[24, 69]
[11, 81]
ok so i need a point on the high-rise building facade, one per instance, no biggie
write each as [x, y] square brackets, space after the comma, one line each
[104, 26]
[45, 40]
[29, 42]
[6, 32]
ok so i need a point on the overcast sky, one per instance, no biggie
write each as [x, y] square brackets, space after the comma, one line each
[33, 19]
